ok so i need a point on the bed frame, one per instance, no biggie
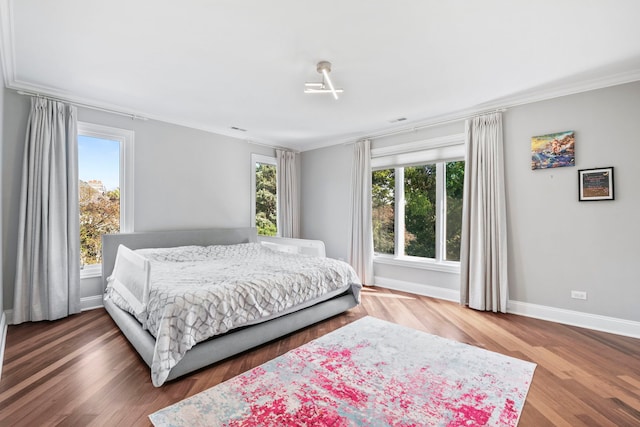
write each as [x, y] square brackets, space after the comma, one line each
[222, 346]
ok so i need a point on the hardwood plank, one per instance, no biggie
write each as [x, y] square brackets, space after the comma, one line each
[82, 371]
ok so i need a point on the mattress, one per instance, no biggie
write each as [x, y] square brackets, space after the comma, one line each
[198, 292]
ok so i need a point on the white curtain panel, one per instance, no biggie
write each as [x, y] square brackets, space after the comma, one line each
[360, 226]
[47, 283]
[288, 195]
[483, 252]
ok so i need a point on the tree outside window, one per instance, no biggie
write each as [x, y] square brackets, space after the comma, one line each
[99, 214]
[383, 213]
[266, 199]
[411, 207]
[99, 194]
[420, 211]
[455, 189]
[105, 172]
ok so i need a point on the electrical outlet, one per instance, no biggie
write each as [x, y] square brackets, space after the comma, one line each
[578, 294]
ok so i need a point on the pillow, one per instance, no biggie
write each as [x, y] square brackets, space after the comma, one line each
[279, 247]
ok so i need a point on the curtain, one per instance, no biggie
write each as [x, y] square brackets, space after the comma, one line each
[287, 193]
[47, 283]
[483, 252]
[360, 227]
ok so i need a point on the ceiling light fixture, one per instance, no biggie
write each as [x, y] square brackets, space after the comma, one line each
[324, 68]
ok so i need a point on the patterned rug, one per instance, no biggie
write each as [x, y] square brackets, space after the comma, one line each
[368, 373]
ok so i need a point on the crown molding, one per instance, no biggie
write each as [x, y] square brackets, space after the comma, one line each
[529, 97]
[505, 103]
[524, 98]
[7, 51]
[550, 91]
[565, 89]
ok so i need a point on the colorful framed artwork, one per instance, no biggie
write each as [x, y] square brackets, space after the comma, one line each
[595, 184]
[554, 150]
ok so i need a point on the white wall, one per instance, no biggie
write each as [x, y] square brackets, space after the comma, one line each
[2, 172]
[325, 178]
[186, 178]
[183, 178]
[556, 243]
[3, 321]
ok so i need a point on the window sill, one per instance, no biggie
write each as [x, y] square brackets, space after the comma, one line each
[91, 271]
[419, 263]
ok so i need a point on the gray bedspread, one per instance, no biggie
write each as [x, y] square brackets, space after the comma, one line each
[197, 292]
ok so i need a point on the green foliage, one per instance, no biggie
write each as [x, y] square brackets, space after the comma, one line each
[455, 189]
[420, 210]
[266, 199]
[99, 214]
[455, 179]
[383, 199]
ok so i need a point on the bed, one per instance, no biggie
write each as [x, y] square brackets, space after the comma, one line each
[143, 247]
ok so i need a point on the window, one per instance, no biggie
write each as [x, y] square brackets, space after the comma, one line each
[105, 189]
[264, 194]
[417, 194]
[454, 188]
[383, 213]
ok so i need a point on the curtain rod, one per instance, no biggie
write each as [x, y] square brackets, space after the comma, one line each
[275, 147]
[132, 116]
[442, 122]
[79, 104]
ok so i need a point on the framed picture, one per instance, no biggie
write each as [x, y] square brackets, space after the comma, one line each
[554, 150]
[595, 184]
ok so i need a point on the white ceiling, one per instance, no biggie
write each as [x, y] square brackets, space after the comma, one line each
[218, 64]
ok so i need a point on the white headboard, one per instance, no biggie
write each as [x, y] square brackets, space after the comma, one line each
[297, 246]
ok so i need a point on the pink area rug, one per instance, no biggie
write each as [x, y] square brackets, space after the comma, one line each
[368, 373]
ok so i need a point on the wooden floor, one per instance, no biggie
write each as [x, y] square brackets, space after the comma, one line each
[80, 371]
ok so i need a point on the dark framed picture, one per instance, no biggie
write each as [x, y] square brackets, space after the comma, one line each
[595, 184]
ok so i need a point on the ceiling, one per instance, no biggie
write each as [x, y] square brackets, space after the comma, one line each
[216, 65]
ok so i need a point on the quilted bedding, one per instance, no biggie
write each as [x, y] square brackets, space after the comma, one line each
[197, 292]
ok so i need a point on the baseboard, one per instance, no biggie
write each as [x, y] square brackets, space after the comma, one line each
[3, 339]
[86, 303]
[596, 322]
[418, 288]
[90, 303]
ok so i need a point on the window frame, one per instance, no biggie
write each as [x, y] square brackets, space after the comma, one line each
[270, 160]
[438, 151]
[126, 139]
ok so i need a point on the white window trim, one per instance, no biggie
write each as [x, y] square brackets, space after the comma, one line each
[399, 211]
[432, 151]
[126, 139]
[441, 149]
[418, 263]
[414, 146]
[259, 158]
[441, 210]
